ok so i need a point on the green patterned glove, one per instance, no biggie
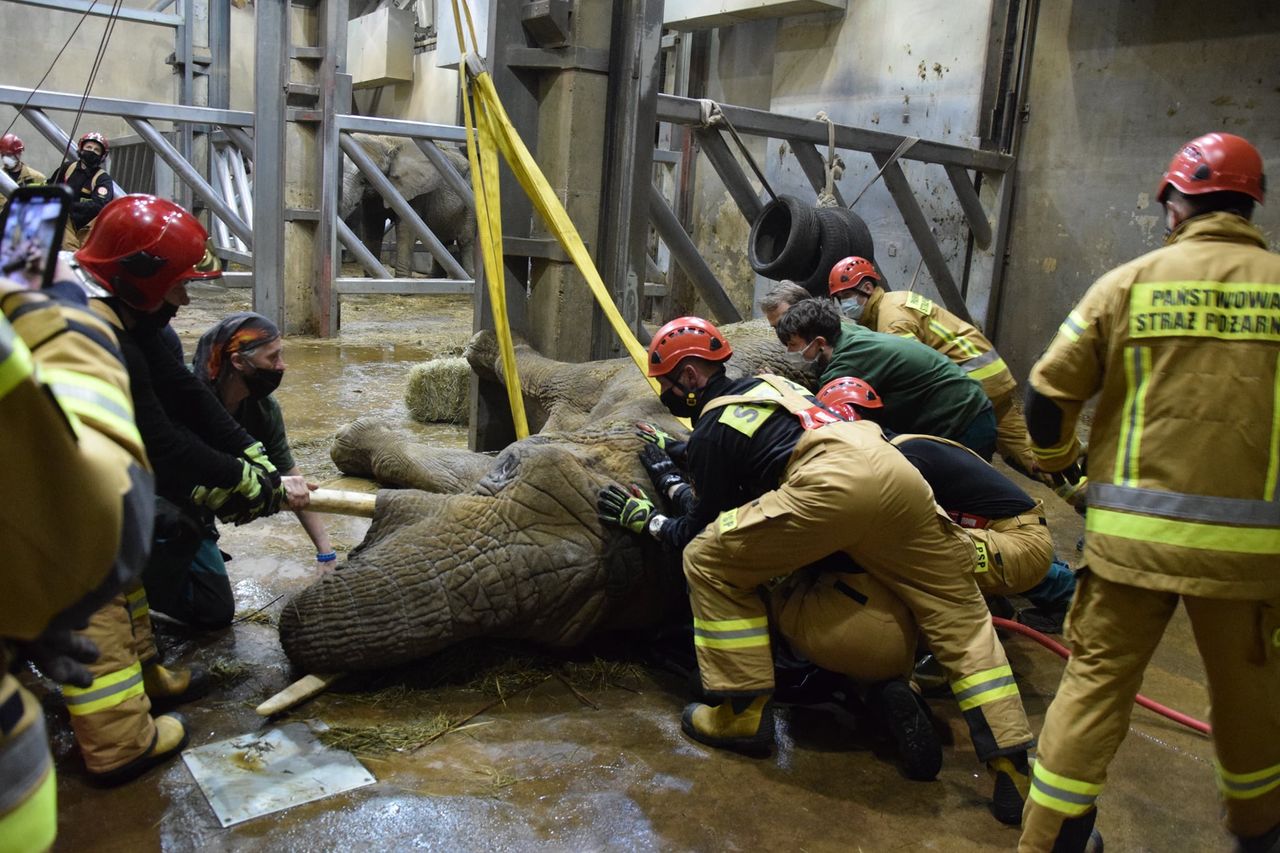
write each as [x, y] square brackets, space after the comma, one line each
[628, 509]
[653, 435]
[257, 455]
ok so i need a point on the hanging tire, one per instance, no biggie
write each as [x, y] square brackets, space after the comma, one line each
[841, 233]
[784, 239]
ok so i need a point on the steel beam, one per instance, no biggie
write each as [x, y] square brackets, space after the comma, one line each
[450, 175]
[896, 182]
[103, 9]
[815, 167]
[270, 77]
[227, 185]
[396, 127]
[220, 53]
[335, 97]
[684, 253]
[730, 171]
[193, 179]
[45, 100]
[363, 256]
[397, 202]
[971, 205]
[405, 286]
[241, 140]
[7, 186]
[628, 173]
[761, 123]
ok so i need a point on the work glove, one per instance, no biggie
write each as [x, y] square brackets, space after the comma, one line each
[627, 508]
[256, 495]
[1072, 485]
[664, 441]
[257, 455]
[663, 473]
[61, 654]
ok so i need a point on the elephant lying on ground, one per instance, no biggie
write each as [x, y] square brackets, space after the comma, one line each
[507, 547]
[445, 212]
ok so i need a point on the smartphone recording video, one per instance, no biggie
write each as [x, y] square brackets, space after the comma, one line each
[31, 234]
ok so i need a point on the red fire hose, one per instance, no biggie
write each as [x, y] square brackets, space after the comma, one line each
[1064, 653]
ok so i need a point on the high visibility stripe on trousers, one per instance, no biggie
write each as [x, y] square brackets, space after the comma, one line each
[138, 604]
[1071, 797]
[731, 633]
[15, 359]
[106, 691]
[984, 366]
[1247, 786]
[983, 687]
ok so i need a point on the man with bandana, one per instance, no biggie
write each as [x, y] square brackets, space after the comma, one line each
[241, 359]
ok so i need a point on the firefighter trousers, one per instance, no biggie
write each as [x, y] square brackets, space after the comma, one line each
[847, 489]
[28, 792]
[1114, 629]
[111, 717]
[1014, 554]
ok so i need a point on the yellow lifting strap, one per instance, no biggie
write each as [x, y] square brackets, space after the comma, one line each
[492, 131]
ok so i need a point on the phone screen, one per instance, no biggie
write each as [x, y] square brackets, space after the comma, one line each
[32, 234]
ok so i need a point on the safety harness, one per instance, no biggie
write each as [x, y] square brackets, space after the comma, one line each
[748, 413]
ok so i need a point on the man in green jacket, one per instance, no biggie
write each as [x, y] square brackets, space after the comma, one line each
[924, 391]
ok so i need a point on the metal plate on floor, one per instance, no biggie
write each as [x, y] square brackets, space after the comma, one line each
[269, 771]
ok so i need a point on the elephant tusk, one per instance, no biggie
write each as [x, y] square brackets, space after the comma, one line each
[342, 502]
[297, 693]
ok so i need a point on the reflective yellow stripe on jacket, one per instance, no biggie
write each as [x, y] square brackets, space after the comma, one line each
[15, 359]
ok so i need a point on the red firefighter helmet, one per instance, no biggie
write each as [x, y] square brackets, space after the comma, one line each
[843, 394]
[1215, 162]
[141, 246]
[849, 273]
[94, 136]
[682, 338]
[10, 144]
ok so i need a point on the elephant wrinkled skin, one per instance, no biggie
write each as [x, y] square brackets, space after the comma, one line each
[507, 547]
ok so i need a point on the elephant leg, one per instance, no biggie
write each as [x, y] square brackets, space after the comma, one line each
[405, 243]
[373, 222]
[370, 448]
[523, 557]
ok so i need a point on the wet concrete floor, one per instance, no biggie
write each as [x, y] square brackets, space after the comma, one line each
[571, 764]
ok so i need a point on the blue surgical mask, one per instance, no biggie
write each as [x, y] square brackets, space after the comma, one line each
[852, 308]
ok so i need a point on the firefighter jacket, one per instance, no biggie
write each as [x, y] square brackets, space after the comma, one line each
[1182, 347]
[923, 392]
[92, 189]
[26, 176]
[908, 314]
[75, 482]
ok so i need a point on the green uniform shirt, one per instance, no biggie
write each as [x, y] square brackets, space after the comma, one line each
[923, 390]
[263, 420]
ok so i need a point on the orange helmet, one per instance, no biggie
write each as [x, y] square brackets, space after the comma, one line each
[141, 246]
[842, 394]
[10, 144]
[94, 136]
[686, 337]
[849, 273]
[1215, 162]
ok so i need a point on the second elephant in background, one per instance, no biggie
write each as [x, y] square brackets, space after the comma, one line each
[449, 216]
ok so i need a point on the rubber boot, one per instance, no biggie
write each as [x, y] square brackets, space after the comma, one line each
[1266, 843]
[1077, 835]
[171, 737]
[745, 725]
[167, 687]
[906, 717]
[1012, 782]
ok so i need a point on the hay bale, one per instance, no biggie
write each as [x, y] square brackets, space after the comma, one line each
[437, 391]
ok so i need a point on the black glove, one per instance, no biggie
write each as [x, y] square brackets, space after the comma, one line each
[662, 440]
[625, 508]
[61, 655]
[663, 473]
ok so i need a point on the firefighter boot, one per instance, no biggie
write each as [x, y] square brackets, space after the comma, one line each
[1013, 780]
[745, 725]
[906, 717]
[1077, 835]
[167, 687]
[1267, 843]
[171, 737]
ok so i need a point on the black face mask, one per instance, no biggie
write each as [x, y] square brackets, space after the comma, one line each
[682, 402]
[92, 159]
[262, 382]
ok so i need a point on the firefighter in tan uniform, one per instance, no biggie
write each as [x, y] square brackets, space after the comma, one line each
[11, 148]
[91, 186]
[854, 286]
[77, 525]
[1182, 347]
[780, 482]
